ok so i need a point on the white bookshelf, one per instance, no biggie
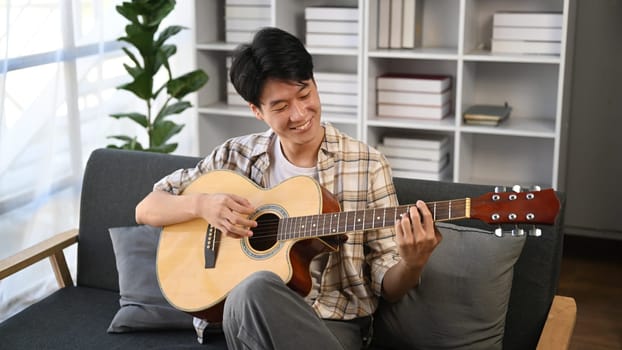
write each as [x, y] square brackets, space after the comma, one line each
[524, 150]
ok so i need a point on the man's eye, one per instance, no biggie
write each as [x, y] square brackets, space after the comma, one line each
[305, 96]
[279, 108]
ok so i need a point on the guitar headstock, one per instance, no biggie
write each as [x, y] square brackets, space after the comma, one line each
[516, 207]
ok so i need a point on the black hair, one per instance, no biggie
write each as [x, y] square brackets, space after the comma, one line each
[273, 54]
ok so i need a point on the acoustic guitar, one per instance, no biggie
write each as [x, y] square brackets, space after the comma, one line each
[197, 267]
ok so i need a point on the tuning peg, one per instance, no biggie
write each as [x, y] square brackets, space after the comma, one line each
[535, 232]
[499, 232]
[516, 188]
[517, 232]
[535, 188]
[499, 189]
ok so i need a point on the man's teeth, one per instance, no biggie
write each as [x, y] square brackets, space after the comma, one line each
[303, 126]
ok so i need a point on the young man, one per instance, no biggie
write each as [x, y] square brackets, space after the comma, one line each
[274, 73]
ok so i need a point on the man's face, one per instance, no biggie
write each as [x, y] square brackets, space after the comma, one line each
[292, 110]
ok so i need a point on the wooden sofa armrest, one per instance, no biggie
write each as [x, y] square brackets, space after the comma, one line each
[559, 324]
[51, 248]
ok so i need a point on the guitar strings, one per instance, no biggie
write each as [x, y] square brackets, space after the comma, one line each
[268, 229]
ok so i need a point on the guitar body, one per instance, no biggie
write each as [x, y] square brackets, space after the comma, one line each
[191, 286]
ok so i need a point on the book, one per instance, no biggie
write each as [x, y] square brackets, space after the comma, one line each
[329, 13]
[254, 12]
[339, 109]
[526, 47]
[248, 2]
[527, 19]
[418, 164]
[411, 111]
[413, 82]
[441, 175]
[527, 33]
[245, 24]
[412, 17]
[421, 141]
[487, 114]
[336, 86]
[332, 40]
[413, 152]
[414, 98]
[330, 76]
[338, 99]
[384, 23]
[335, 27]
[238, 37]
[395, 36]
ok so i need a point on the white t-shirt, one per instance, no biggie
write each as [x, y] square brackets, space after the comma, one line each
[281, 168]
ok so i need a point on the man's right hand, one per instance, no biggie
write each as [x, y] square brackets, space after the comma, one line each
[227, 212]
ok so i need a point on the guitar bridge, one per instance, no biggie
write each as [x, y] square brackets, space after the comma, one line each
[211, 241]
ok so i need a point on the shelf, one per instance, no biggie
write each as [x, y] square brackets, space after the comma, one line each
[419, 53]
[487, 56]
[455, 41]
[445, 124]
[332, 51]
[216, 46]
[520, 127]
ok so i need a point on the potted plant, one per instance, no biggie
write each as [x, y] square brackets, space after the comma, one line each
[150, 55]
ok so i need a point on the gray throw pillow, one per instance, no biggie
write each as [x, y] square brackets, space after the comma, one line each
[143, 306]
[463, 297]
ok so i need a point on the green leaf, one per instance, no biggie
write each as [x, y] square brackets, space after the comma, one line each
[131, 55]
[141, 37]
[156, 10]
[134, 71]
[128, 11]
[165, 148]
[130, 143]
[163, 131]
[141, 86]
[174, 108]
[162, 57]
[187, 83]
[137, 117]
[167, 33]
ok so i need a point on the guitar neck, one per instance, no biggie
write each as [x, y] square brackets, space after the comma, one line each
[341, 222]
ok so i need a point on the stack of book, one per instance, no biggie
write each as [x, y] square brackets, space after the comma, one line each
[233, 98]
[424, 156]
[487, 114]
[332, 27]
[399, 24]
[414, 96]
[244, 17]
[527, 32]
[338, 92]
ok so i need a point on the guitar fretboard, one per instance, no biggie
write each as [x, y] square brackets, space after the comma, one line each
[342, 222]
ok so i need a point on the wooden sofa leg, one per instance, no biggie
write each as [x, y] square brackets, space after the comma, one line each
[559, 324]
[61, 271]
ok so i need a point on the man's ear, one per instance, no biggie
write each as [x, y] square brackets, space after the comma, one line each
[256, 111]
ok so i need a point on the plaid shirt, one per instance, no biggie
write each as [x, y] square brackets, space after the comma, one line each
[360, 178]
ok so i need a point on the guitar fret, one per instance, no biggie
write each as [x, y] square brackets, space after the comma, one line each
[449, 217]
[434, 215]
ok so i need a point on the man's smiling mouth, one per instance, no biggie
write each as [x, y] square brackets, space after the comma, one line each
[304, 126]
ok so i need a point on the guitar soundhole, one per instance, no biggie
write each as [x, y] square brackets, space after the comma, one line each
[264, 235]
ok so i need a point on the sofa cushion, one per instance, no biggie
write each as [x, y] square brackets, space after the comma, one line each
[143, 307]
[463, 297]
[77, 317]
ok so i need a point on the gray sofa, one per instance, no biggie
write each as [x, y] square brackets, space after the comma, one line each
[78, 315]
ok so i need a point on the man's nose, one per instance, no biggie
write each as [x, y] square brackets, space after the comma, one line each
[298, 110]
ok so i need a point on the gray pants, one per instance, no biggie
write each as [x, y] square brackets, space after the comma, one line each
[263, 313]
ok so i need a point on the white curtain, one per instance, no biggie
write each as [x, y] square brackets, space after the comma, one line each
[60, 64]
